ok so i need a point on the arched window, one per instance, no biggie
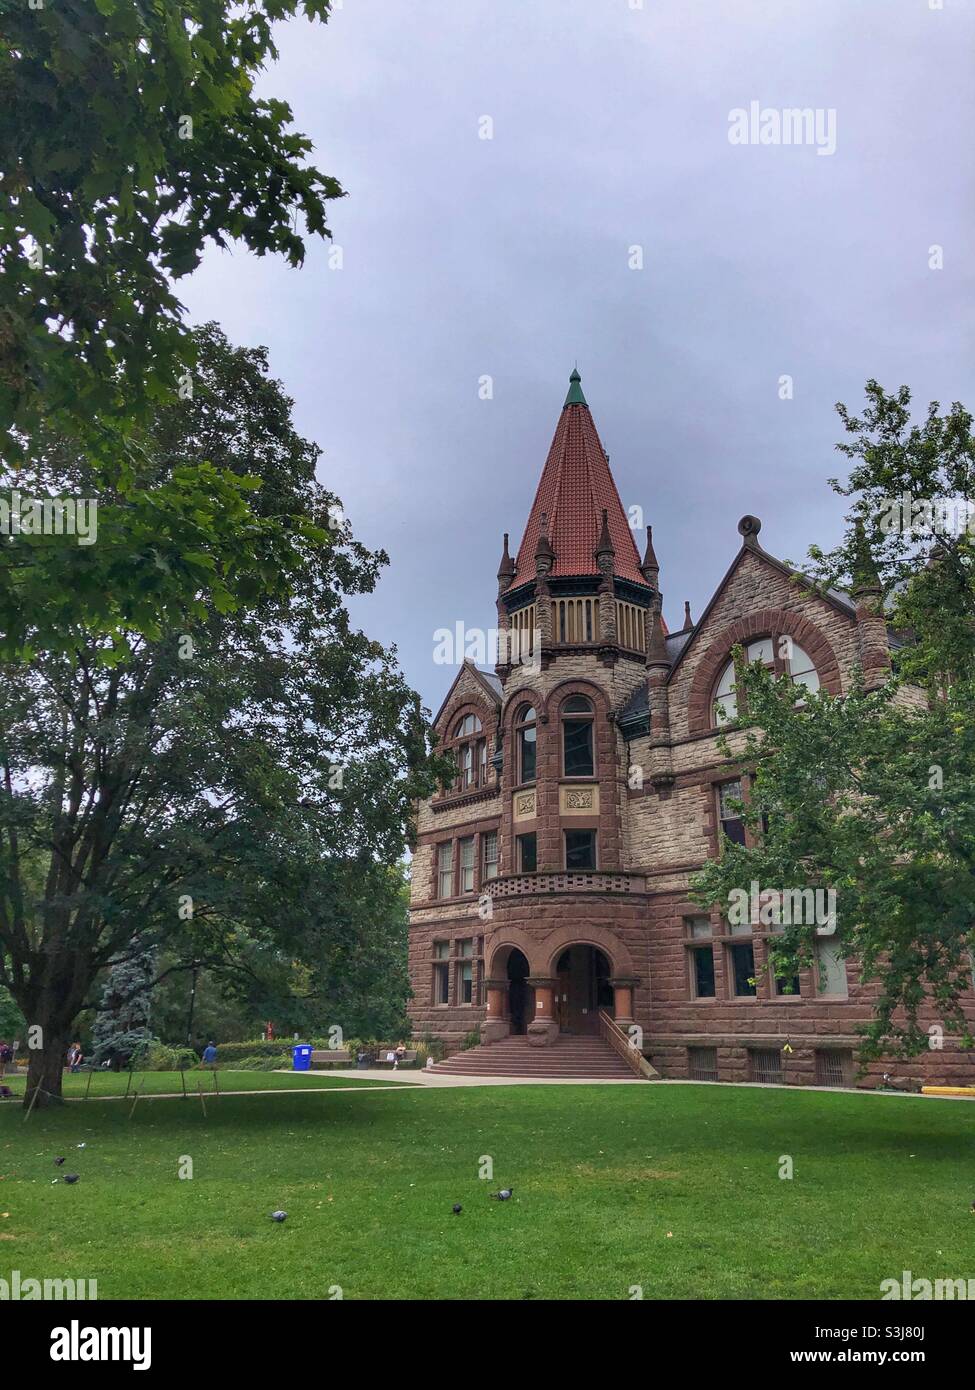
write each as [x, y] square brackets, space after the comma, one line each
[527, 746]
[802, 669]
[577, 737]
[467, 724]
[469, 753]
[783, 657]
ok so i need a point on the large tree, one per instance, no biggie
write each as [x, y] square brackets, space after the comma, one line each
[229, 795]
[130, 139]
[873, 794]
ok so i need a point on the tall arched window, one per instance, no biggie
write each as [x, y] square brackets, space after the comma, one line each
[783, 657]
[577, 737]
[526, 743]
[469, 752]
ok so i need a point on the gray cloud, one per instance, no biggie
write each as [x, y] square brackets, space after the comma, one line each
[508, 257]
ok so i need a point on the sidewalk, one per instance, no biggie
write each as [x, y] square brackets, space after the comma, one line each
[433, 1079]
[422, 1077]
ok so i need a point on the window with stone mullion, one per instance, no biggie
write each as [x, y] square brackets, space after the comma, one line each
[526, 745]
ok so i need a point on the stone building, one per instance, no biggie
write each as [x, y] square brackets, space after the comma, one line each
[550, 885]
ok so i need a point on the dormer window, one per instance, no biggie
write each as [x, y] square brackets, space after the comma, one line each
[783, 657]
[527, 745]
[577, 737]
[469, 753]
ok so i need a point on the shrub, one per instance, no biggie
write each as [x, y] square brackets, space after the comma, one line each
[282, 1060]
[154, 1055]
[233, 1051]
[433, 1047]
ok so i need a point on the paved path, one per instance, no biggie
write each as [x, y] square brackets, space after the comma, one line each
[435, 1079]
[421, 1080]
[418, 1080]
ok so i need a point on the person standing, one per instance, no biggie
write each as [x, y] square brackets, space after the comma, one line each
[6, 1057]
[210, 1054]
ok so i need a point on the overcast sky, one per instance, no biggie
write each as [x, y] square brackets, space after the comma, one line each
[509, 258]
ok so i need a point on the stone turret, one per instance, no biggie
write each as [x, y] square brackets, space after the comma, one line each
[649, 568]
[660, 771]
[506, 572]
[506, 569]
[867, 594]
[605, 557]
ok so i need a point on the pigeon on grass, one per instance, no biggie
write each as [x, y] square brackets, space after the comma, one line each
[503, 1195]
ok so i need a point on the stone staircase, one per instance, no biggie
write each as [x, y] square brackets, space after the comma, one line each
[573, 1058]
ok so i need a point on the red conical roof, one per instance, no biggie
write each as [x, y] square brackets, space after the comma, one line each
[575, 488]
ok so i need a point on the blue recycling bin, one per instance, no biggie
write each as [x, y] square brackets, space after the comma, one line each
[301, 1057]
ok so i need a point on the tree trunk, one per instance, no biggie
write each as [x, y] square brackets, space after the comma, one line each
[46, 1066]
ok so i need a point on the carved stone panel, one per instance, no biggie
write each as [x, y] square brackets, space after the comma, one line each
[579, 801]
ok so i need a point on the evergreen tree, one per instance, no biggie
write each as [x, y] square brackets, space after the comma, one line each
[122, 1025]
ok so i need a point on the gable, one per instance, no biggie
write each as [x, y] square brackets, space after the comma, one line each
[470, 686]
[758, 597]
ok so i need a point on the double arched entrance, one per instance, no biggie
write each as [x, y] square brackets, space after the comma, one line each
[582, 986]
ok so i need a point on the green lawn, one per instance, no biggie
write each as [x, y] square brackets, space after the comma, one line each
[147, 1083]
[674, 1188]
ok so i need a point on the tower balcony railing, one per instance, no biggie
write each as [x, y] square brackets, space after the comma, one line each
[565, 881]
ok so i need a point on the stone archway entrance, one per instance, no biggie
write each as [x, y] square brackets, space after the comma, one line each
[520, 993]
[583, 988]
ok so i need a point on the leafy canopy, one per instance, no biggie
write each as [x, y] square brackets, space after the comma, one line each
[130, 137]
[235, 797]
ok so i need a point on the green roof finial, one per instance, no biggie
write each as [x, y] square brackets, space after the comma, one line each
[575, 396]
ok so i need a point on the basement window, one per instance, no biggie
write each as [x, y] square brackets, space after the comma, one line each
[702, 1063]
[764, 1065]
[834, 1067]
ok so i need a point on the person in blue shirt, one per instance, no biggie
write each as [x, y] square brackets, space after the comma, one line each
[209, 1054]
